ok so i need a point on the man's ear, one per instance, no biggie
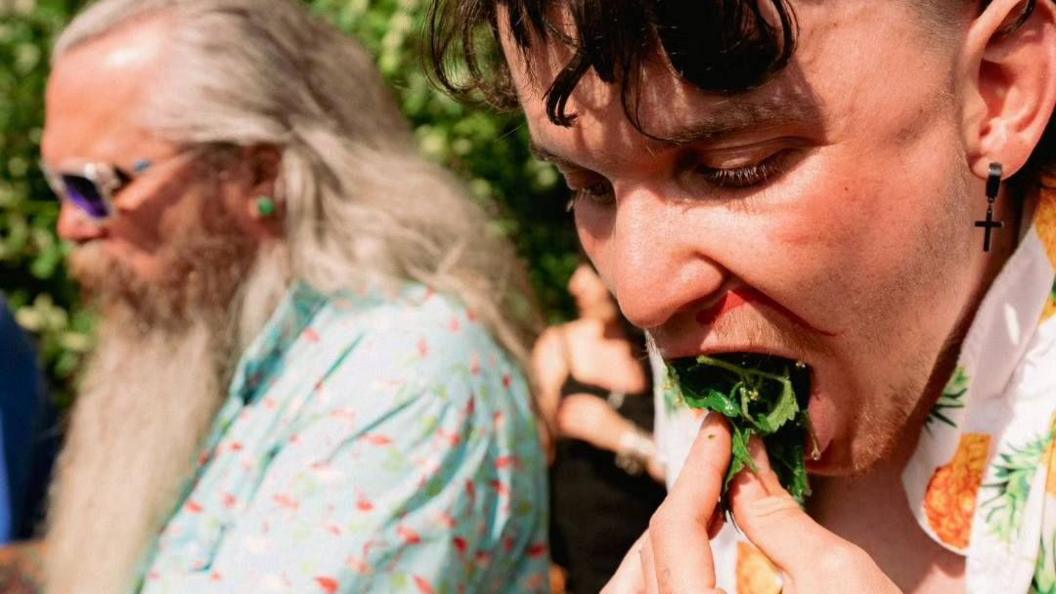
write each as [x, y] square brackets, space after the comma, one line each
[1011, 73]
[264, 164]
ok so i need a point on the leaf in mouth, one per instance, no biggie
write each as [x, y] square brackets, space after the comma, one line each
[761, 395]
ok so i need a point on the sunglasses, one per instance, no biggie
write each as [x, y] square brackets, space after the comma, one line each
[91, 186]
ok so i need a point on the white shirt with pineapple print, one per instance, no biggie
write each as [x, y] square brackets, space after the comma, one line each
[982, 482]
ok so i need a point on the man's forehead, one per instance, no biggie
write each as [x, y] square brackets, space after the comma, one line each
[668, 111]
[831, 35]
[97, 91]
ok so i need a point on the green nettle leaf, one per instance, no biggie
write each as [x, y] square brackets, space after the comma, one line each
[761, 395]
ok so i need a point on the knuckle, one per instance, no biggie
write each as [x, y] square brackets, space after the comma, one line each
[667, 518]
[841, 560]
[768, 476]
[660, 519]
[772, 509]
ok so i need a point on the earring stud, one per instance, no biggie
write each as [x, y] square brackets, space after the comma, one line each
[266, 206]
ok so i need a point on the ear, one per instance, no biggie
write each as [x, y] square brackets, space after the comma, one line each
[1011, 73]
[264, 163]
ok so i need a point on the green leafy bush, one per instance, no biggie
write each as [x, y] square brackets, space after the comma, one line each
[490, 151]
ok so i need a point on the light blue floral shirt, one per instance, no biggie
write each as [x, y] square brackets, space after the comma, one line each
[368, 444]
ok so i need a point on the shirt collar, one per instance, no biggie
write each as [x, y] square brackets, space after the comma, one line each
[264, 358]
[982, 407]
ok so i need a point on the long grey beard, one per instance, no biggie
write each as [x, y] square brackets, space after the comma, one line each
[148, 400]
[136, 427]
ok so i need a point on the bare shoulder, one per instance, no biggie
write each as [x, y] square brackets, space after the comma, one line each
[550, 340]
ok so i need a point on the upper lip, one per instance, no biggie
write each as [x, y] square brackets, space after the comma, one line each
[743, 330]
[731, 347]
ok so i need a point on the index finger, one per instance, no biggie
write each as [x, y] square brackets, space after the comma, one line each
[679, 529]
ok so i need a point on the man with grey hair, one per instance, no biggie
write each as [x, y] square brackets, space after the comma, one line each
[305, 380]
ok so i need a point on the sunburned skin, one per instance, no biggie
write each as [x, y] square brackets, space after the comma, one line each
[727, 303]
[740, 296]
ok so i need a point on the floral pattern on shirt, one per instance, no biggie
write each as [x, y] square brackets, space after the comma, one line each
[369, 444]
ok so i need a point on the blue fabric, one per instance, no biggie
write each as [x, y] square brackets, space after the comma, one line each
[27, 455]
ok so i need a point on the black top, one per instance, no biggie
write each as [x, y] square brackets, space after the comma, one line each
[598, 510]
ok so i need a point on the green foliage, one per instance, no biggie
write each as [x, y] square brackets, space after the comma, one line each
[490, 151]
[487, 149]
[760, 396]
[31, 258]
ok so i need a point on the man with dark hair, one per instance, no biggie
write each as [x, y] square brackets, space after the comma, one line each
[863, 187]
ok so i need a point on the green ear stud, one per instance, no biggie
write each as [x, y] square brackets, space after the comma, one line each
[265, 206]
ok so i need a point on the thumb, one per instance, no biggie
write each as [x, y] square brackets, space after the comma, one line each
[775, 523]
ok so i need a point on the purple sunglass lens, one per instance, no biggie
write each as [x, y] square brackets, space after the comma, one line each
[84, 194]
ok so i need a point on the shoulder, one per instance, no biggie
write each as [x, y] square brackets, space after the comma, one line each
[550, 346]
[419, 339]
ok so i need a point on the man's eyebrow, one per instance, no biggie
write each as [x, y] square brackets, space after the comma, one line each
[732, 117]
[739, 115]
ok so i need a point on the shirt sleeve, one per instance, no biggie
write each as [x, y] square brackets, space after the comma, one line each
[407, 487]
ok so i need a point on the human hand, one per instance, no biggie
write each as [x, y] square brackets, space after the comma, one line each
[674, 555]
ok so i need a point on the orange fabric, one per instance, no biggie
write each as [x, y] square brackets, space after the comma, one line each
[755, 573]
[951, 494]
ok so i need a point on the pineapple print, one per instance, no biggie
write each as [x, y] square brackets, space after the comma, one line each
[1045, 572]
[1050, 481]
[755, 573]
[1045, 219]
[949, 501]
[1044, 581]
[1045, 224]
[952, 398]
[1050, 305]
[1014, 471]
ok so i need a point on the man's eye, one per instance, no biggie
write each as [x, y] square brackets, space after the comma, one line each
[745, 176]
[599, 193]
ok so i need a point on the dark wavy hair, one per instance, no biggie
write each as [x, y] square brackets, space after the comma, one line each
[720, 46]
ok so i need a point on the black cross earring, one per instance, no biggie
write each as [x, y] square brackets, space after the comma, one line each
[993, 186]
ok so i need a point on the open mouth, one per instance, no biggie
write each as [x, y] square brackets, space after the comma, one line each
[761, 395]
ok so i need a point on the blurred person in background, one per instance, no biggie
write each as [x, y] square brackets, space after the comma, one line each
[595, 385]
[27, 433]
[308, 375]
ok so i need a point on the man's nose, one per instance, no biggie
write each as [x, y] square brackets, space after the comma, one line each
[76, 226]
[659, 264]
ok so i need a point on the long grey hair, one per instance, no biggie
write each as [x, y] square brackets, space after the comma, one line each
[361, 205]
